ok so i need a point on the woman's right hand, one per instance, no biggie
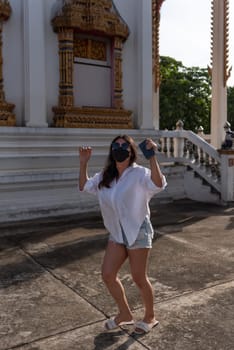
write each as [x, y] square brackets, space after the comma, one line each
[85, 154]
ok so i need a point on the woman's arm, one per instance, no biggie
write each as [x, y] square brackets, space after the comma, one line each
[156, 175]
[85, 154]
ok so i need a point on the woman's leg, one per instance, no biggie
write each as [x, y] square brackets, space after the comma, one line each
[138, 259]
[114, 258]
